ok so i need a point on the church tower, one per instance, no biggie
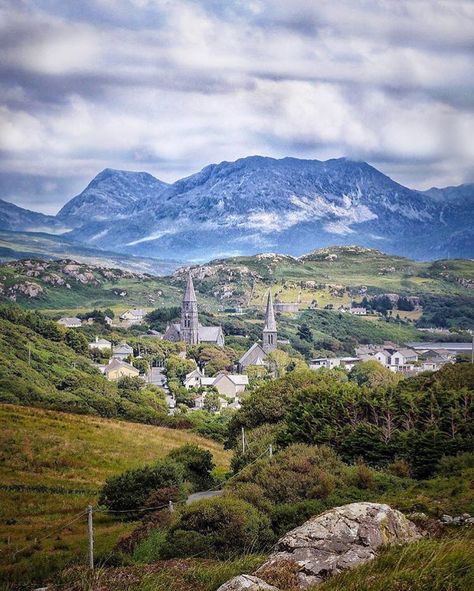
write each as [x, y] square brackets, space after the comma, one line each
[270, 328]
[189, 315]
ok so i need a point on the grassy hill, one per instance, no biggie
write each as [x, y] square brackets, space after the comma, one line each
[333, 275]
[52, 465]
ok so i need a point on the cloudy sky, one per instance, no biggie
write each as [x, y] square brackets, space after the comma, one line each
[168, 86]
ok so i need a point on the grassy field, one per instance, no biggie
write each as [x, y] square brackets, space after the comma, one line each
[51, 467]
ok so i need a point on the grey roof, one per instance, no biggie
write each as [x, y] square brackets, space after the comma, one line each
[123, 348]
[209, 333]
[254, 356]
[189, 294]
[116, 364]
[406, 352]
[270, 323]
[100, 342]
[70, 320]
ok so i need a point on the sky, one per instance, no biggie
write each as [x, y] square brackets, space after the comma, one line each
[169, 86]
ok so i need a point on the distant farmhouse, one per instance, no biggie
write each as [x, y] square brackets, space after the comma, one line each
[134, 316]
[189, 329]
[257, 354]
[70, 322]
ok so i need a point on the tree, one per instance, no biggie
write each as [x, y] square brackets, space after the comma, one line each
[304, 333]
[212, 402]
[373, 374]
[77, 341]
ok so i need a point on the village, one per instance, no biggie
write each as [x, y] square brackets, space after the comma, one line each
[224, 389]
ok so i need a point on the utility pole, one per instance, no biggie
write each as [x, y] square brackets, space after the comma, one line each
[270, 450]
[243, 440]
[90, 531]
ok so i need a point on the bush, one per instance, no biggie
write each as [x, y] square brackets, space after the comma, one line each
[130, 490]
[222, 526]
[197, 463]
[298, 472]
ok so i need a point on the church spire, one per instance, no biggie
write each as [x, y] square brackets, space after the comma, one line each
[189, 315]
[189, 294]
[270, 328]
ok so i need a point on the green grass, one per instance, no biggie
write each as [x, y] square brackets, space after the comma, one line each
[67, 453]
[427, 565]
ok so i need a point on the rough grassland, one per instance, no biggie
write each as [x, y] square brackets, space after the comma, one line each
[52, 465]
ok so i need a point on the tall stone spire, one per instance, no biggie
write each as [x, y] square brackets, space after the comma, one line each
[270, 328]
[189, 315]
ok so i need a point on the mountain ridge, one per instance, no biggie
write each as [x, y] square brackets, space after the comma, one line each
[260, 203]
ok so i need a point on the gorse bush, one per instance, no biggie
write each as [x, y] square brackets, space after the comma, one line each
[218, 527]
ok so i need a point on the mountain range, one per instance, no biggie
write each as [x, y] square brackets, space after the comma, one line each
[260, 204]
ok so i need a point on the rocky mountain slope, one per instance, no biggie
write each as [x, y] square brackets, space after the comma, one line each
[18, 219]
[258, 204]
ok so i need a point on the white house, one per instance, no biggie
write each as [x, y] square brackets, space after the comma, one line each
[332, 362]
[230, 385]
[101, 344]
[122, 351]
[70, 322]
[358, 311]
[133, 316]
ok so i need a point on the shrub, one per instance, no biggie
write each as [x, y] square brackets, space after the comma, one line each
[220, 526]
[197, 463]
[130, 490]
[296, 473]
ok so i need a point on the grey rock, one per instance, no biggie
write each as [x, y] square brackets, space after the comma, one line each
[248, 583]
[339, 539]
[446, 519]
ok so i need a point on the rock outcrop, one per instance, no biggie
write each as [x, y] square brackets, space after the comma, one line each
[336, 540]
[246, 583]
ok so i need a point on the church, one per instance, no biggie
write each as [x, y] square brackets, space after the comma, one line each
[257, 354]
[189, 329]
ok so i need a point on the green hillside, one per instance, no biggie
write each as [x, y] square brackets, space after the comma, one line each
[52, 465]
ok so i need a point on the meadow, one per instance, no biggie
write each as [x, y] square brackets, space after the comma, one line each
[52, 466]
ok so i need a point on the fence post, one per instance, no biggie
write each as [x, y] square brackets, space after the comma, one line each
[90, 530]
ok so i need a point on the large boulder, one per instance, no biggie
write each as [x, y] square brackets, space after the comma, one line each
[246, 583]
[341, 538]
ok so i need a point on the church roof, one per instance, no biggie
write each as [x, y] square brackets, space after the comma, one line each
[209, 333]
[189, 294]
[270, 323]
[254, 356]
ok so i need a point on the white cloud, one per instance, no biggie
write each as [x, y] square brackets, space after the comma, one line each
[169, 86]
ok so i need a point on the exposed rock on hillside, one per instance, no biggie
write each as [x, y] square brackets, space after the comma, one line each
[339, 539]
[247, 583]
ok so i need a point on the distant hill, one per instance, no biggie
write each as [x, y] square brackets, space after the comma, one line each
[258, 204]
[18, 219]
[21, 245]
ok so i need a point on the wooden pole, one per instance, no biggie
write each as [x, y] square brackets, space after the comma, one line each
[270, 450]
[90, 531]
[243, 440]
